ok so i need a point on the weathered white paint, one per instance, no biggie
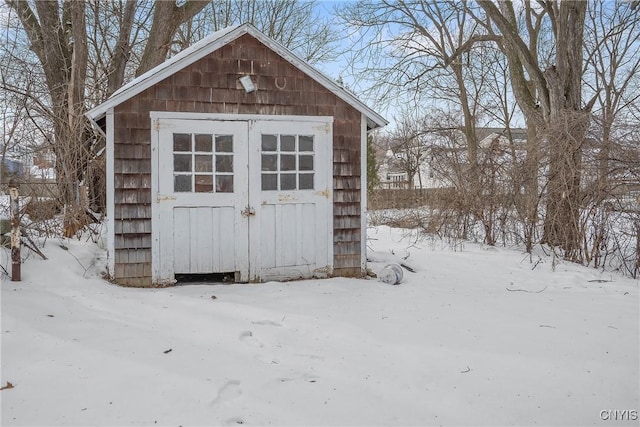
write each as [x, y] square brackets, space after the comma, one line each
[204, 239]
[111, 210]
[190, 227]
[363, 194]
[239, 117]
[295, 228]
[289, 234]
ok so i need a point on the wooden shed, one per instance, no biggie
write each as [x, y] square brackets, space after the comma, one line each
[235, 157]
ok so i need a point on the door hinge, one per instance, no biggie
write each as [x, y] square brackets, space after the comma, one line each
[326, 128]
[162, 197]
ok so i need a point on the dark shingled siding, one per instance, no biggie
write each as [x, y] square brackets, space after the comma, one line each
[210, 86]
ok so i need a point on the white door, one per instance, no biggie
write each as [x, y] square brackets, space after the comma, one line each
[290, 188]
[202, 190]
[247, 197]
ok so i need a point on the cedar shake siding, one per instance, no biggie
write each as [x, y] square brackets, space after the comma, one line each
[210, 85]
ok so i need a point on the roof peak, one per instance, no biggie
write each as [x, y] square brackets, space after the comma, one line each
[214, 42]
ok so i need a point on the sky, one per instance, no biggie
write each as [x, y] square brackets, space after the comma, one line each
[342, 67]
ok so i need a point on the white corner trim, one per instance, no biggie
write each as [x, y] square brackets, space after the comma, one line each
[111, 210]
[155, 216]
[363, 193]
[330, 190]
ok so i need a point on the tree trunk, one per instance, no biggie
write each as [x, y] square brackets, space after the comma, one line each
[555, 106]
[565, 136]
[167, 17]
[58, 37]
[117, 66]
[529, 178]
[566, 128]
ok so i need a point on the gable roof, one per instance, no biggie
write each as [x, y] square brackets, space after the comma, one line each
[515, 133]
[214, 42]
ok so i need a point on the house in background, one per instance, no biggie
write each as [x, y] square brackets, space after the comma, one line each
[14, 162]
[424, 157]
[235, 157]
[44, 162]
[28, 162]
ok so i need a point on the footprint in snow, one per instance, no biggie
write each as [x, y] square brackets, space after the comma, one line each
[247, 336]
[233, 421]
[266, 323]
[229, 391]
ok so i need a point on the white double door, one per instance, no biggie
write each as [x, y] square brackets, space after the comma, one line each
[249, 197]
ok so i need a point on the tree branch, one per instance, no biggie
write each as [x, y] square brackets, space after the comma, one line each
[30, 24]
[167, 17]
[118, 62]
[466, 46]
[512, 37]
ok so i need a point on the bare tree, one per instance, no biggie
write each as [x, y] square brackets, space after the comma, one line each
[77, 53]
[296, 24]
[58, 35]
[167, 18]
[611, 168]
[441, 56]
[550, 96]
[419, 57]
[612, 66]
[116, 30]
[407, 148]
[569, 68]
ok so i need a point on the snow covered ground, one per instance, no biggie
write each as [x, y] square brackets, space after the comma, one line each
[476, 336]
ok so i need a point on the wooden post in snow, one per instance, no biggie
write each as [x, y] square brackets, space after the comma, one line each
[15, 231]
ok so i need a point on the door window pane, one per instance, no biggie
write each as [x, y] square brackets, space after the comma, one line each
[269, 143]
[203, 163]
[224, 183]
[224, 163]
[306, 143]
[269, 162]
[269, 181]
[203, 143]
[204, 183]
[287, 143]
[288, 181]
[287, 162]
[224, 143]
[305, 163]
[181, 183]
[306, 181]
[182, 162]
[181, 142]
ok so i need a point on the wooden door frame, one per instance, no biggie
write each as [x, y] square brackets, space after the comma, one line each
[165, 201]
[155, 116]
[322, 125]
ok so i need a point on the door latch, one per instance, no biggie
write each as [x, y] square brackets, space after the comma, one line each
[248, 211]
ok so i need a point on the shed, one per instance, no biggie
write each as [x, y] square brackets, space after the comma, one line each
[235, 157]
